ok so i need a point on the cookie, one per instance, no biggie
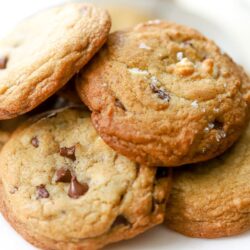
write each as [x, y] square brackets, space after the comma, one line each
[64, 188]
[163, 94]
[125, 17]
[212, 199]
[45, 51]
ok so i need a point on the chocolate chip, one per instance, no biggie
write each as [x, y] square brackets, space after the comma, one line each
[3, 62]
[34, 141]
[119, 104]
[42, 192]
[63, 175]
[160, 93]
[77, 189]
[120, 220]
[68, 152]
[161, 172]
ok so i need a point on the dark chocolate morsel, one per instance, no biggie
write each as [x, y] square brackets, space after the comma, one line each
[42, 192]
[68, 152]
[77, 189]
[63, 175]
[34, 141]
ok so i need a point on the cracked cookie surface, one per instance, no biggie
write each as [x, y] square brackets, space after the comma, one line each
[212, 199]
[45, 51]
[163, 94]
[62, 181]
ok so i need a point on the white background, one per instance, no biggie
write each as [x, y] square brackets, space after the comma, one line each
[225, 21]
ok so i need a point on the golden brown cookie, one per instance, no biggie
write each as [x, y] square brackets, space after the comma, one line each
[163, 94]
[212, 199]
[45, 51]
[64, 188]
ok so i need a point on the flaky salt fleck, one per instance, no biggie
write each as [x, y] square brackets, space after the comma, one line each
[144, 46]
[220, 135]
[179, 56]
[194, 104]
[137, 71]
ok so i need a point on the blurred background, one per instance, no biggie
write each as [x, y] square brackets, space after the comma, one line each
[225, 21]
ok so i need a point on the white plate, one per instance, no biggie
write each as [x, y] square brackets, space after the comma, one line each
[208, 20]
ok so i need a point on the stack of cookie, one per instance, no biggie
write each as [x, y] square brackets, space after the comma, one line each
[158, 95]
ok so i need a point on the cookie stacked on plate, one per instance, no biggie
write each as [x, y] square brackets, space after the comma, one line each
[157, 95]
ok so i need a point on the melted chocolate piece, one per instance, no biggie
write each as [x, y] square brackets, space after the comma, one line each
[119, 104]
[42, 192]
[68, 152]
[34, 141]
[120, 220]
[77, 189]
[63, 175]
[3, 62]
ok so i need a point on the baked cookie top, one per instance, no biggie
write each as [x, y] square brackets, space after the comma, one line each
[212, 199]
[60, 179]
[45, 51]
[163, 94]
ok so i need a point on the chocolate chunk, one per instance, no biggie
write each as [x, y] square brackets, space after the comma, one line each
[3, 62]
[119, 104]
[42, 192]
[63, 175]
[160, 93]
[34, 141]
[77, 189]
[68, 152]
[161, 172]
[120, 220]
